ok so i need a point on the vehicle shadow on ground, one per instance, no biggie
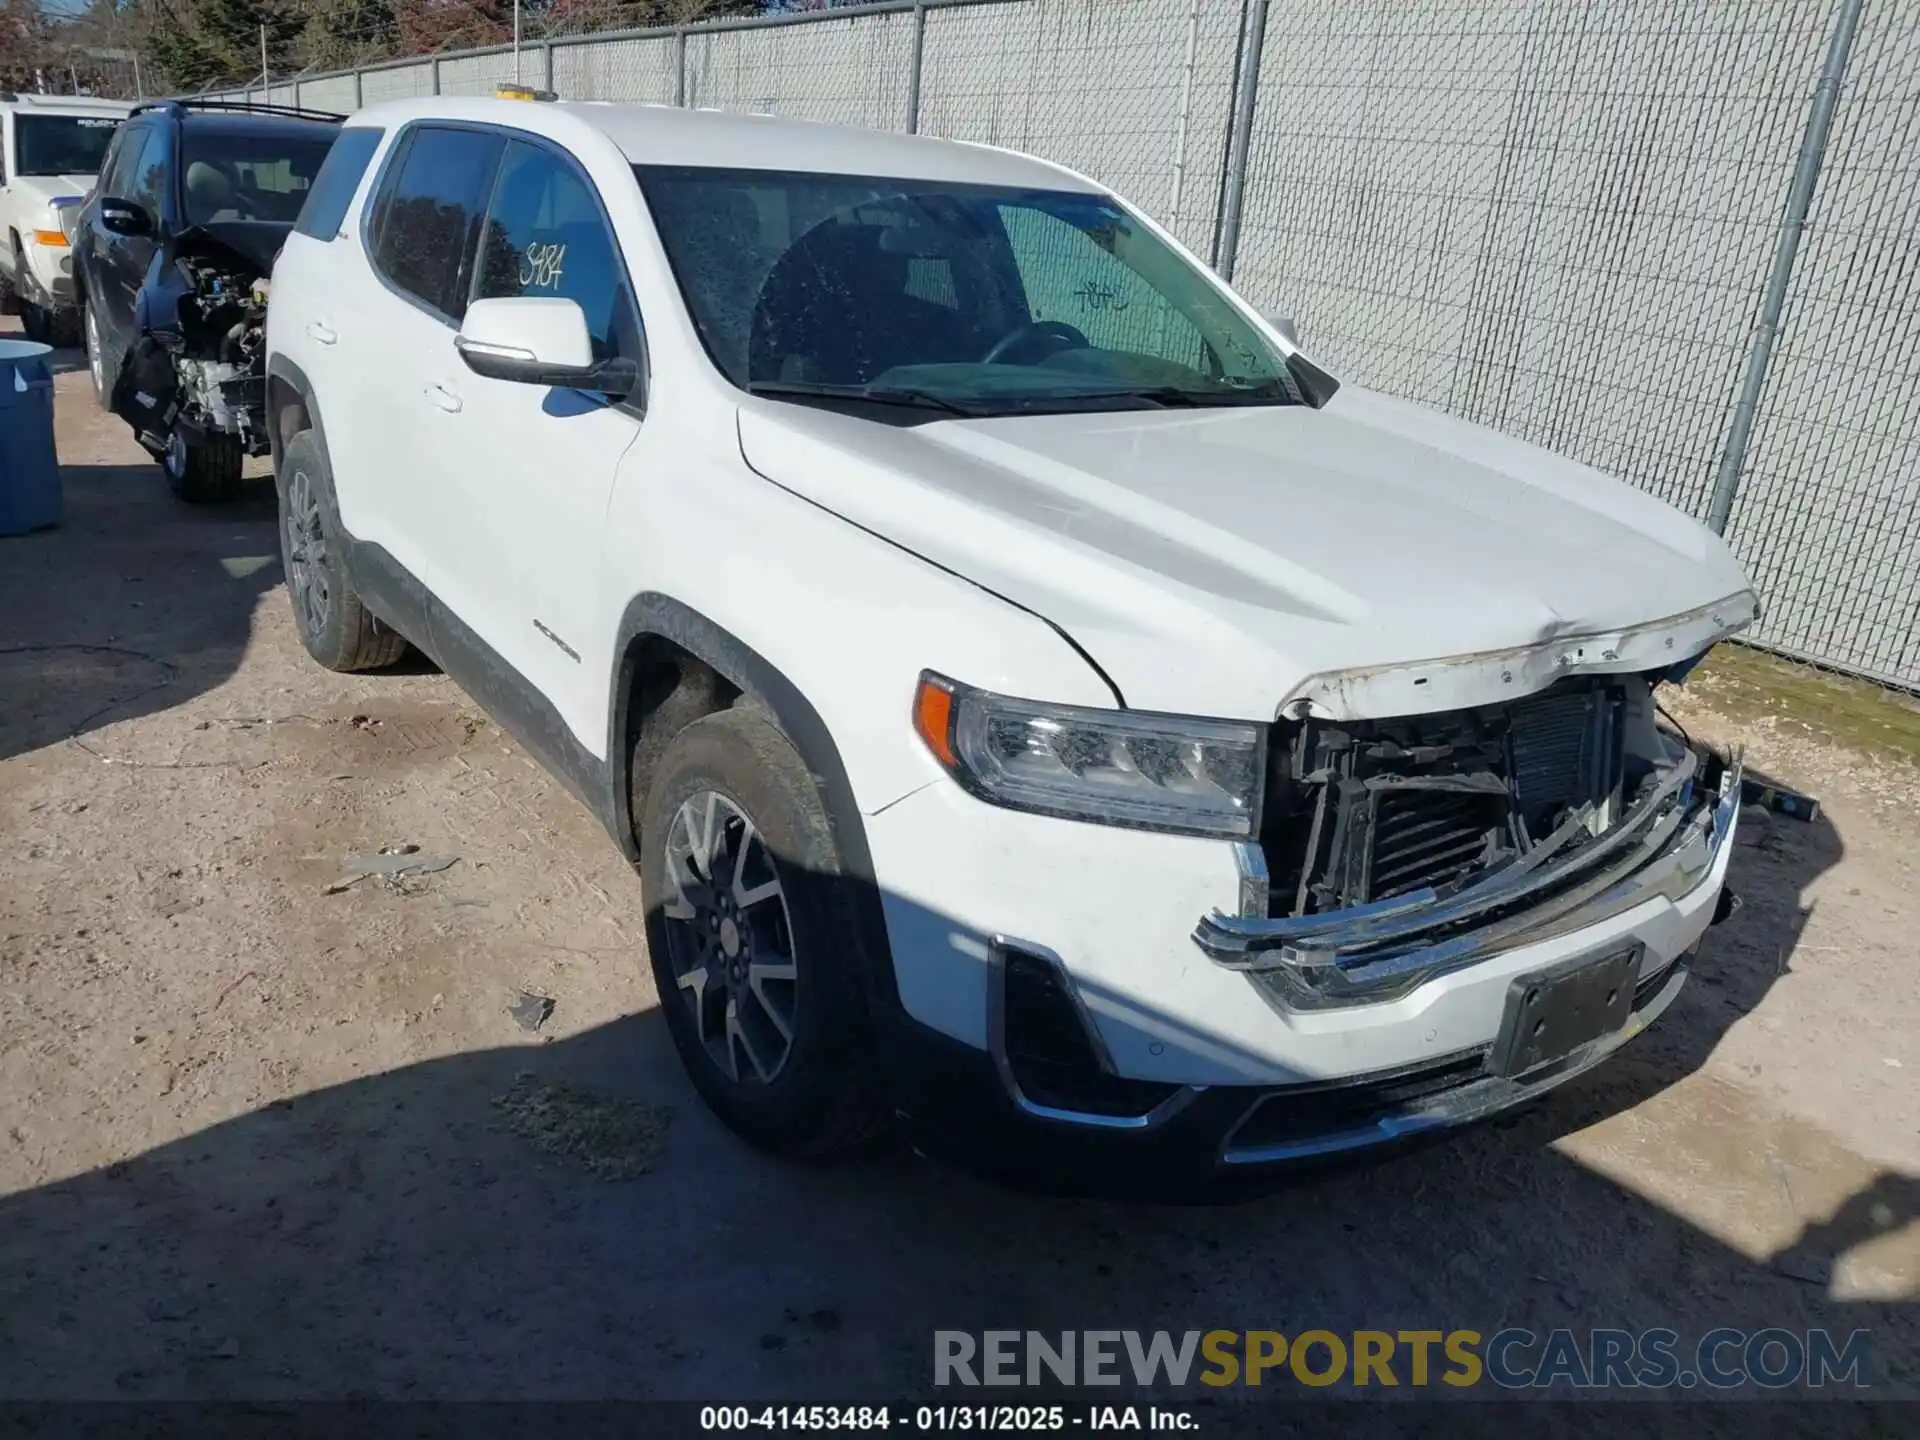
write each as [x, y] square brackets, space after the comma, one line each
[1776, 860]
[135, 603]
[407, 1235]
[67, 360]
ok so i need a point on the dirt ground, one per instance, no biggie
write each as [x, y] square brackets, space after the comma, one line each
[262, 1140]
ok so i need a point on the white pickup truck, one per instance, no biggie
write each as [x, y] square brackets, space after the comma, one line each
[50, 152]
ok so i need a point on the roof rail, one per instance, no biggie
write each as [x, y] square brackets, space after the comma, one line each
[17, 97]
[244, 107]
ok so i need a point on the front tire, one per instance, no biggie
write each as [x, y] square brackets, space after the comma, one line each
[98, 369]
[338, 631]
[755, 941]
[205, 472]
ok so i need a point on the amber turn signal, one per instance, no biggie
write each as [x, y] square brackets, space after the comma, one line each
[933, 718]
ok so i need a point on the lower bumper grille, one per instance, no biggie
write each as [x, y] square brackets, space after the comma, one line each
[1310, 1111]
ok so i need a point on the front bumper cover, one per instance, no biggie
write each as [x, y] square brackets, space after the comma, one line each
[1221, 1141]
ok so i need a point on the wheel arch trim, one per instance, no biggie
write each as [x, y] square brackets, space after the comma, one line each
[652, 614]
[288, 373]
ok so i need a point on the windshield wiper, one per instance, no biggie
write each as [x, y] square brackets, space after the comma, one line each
[873, 394]
[1173, 397]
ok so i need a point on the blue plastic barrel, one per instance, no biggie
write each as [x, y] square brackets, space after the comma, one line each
[29, 465]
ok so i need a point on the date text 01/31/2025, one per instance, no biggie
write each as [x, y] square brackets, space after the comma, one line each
[942, 1418]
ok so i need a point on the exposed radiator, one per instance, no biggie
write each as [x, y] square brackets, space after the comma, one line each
[1564, 752]
[1374, 810]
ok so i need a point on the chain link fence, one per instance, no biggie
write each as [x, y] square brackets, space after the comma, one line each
[1578, 224]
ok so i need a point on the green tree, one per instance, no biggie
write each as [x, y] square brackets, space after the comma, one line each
[196, 43]
[342, 33]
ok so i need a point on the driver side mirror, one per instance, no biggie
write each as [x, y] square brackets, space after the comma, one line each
[539, 340]
[125, 217]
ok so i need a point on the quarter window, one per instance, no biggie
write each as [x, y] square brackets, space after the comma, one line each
[545, 235]
[429, 215]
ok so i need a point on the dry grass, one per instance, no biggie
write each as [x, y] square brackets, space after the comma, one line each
[1750, 685]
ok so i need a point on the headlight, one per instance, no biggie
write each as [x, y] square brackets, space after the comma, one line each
[64, 210]
[1114, 767]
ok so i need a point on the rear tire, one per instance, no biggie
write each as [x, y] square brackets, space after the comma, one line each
[206, 472]
[755, 939]
[338, 631]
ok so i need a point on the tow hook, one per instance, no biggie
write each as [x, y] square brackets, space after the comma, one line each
[1726, 905]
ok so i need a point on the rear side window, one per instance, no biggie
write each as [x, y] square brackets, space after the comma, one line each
[339, 179]
[428, 215]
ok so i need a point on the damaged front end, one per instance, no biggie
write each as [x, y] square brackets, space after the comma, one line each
[197, 368]
[1397, 850]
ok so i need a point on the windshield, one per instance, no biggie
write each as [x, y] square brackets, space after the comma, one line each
[957, 298]
[61, 144]
[230, 175]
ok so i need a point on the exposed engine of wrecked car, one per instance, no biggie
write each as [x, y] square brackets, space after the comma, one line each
[198, 367]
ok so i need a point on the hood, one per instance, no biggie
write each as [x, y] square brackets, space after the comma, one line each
[44, 189]
[1372, 557]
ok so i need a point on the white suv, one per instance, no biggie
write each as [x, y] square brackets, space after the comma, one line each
[1036, 703]
[50, 152]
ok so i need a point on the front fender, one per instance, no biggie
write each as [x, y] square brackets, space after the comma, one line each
[849, 619]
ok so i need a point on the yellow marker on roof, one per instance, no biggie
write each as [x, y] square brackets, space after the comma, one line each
[522, 92]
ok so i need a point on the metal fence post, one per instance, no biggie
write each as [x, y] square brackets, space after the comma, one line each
[913, 73]
[1235, 183]
[359, 91]
[546, 66]
[1813, 147]
[436, 74]
[680, 68]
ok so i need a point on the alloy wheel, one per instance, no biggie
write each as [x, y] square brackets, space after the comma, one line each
[95, 366]
[309, 563]
[730, 939]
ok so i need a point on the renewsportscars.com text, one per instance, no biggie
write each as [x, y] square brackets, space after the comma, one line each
[1513, 1359]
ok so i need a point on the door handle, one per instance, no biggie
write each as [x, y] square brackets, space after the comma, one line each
[324, 334]
[444, 398]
